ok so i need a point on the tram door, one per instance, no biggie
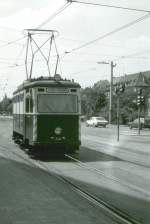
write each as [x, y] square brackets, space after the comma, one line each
[28, 125]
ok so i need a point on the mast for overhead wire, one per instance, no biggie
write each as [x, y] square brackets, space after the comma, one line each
[34, 47]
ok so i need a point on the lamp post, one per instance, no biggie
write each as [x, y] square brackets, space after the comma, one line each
[111, 86]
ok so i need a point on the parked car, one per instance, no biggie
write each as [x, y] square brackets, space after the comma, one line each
[144, 123]
[96, 122]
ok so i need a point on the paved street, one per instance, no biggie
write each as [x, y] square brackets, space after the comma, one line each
[29, 195]
[127, 161]
[75, 112]
[121, 178]
[131, 147]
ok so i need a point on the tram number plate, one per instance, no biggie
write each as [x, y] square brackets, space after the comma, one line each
[57, 90]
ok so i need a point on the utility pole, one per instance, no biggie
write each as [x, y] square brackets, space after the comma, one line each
[118, 116]
[111, 86]
[111, 91]
[139, 120]
[119, 90]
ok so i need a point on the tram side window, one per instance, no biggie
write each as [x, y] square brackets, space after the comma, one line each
[27, 105]
[31, 105]
[29, 101]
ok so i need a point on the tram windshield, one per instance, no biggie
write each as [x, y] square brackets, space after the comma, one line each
[57, 103]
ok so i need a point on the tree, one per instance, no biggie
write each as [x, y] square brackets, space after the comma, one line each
[94, 99]
[6, 105]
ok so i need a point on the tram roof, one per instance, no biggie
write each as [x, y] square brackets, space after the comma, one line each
[47, 82]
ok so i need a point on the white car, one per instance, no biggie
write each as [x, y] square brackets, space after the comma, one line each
[96, 122]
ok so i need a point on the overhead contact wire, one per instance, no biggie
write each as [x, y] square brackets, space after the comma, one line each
[12, 42]
[110, 6]
[54, 15]
[111, 33]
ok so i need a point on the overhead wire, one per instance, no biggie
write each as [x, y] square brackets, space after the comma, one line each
[102, 44]
[50, 18]
[94, 54]
[12, 42]
[110, 6]
[133, 55]
[12, 66]
[83, 71]
[42, 24]
[110, 33]
[61, 9]
[19, 55]
[10, 29]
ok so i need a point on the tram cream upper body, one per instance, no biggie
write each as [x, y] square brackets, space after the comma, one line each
[27, 100]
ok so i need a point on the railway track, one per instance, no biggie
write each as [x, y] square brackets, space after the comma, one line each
[116, 214]
[101, 173]
[103, 147]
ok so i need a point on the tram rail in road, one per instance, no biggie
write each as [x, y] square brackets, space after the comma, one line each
[100, 172]
[116, 214]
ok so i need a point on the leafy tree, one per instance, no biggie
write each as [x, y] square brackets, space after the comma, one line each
[94, 99]
[128, 106]
[6, 105]
[101, 102]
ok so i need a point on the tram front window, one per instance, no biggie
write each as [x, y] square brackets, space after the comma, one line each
[57, 103]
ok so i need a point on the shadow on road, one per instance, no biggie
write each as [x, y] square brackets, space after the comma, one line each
[88, 155]
[131, 205]
[84, 155]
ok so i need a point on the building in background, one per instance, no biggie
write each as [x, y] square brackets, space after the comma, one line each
[138, 80]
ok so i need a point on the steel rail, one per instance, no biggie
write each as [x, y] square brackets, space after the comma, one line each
[117, 180]
[113, 211]
[121, 149]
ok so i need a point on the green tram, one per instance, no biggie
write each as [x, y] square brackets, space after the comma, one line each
[46, 114]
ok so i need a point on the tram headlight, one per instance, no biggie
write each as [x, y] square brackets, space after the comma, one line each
[58, 130]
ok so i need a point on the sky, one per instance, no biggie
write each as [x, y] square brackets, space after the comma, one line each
[77, 25]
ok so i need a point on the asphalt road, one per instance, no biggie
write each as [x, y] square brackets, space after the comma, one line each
[127, 161]
[131, 147]
[29, 195]
[123, 180]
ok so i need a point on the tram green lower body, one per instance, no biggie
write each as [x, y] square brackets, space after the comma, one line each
[41, 131]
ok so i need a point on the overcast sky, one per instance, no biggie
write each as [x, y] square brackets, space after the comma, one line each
[77, 24]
